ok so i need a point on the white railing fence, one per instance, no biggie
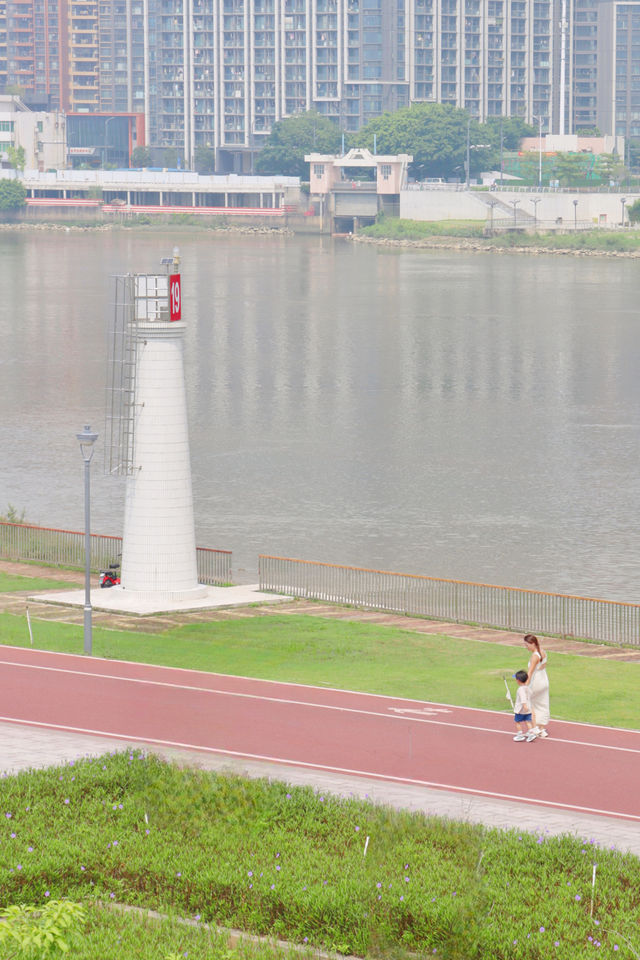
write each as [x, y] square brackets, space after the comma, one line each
[528, 611]
[21, 541]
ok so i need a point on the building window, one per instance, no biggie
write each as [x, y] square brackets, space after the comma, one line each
[385, 170]
[318, 169]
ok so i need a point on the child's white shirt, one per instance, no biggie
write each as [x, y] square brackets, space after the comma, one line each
[522, 700]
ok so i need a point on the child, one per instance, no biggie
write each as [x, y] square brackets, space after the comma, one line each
[523, 710]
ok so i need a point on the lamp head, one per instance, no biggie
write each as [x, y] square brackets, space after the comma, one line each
[86, 439]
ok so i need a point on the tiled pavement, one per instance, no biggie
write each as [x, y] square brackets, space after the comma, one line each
[23, 746]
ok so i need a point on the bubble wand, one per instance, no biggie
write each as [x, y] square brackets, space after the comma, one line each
[509, 694]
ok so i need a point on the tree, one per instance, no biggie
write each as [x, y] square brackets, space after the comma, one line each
[291, 139]
[204, 160]
[633, 212]
[435, 135]
[16, 157]
[140, 157]
[12, 195]
[572, 168]
[610, 167]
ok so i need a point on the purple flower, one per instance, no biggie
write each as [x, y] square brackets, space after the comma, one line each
[541, 929]
[578, 897]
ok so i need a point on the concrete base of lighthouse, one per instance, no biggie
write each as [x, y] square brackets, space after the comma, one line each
[133, 603]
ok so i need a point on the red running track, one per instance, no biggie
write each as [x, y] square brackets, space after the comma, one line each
[579, 767]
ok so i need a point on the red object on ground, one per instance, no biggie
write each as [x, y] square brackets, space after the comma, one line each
[580, 767]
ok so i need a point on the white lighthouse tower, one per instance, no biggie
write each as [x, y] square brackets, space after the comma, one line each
[158, 545]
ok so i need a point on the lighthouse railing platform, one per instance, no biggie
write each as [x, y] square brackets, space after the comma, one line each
[65, 548]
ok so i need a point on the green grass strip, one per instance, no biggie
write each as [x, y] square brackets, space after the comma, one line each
[289, 862]
[13, 583]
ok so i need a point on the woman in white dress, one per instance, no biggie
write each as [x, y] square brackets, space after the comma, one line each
[538, 681]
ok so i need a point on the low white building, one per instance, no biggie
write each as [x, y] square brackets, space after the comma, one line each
[43, 136]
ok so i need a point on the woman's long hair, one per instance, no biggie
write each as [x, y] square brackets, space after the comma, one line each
[529, 638]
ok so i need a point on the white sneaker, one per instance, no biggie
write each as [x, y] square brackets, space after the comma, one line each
[535, 730]
[520, 737]
[543, 733]
[531, 736]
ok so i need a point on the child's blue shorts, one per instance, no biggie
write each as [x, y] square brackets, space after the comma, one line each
[521, 717]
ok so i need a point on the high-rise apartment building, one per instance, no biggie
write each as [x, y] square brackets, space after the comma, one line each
[219, 73]
[35, 32]
[222, 72]
[81, 83]
[618, 93]
[3, 44]
[122, 60]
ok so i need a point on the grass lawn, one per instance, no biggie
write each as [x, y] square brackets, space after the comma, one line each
[358, 656]
[289, 862]
[13, 583]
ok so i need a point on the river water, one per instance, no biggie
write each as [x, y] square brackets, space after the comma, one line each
[454, 414]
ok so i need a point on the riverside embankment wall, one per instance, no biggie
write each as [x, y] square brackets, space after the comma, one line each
[442, 204]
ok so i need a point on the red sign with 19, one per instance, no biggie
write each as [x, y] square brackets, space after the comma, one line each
[175, 297]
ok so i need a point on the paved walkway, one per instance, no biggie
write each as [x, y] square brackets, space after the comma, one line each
[23, 746]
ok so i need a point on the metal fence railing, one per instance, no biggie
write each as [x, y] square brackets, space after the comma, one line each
[214, 566]
[513, 608]
[21, 541]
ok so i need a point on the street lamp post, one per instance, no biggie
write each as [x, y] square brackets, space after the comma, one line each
[623, 200]
[469, 152]
[575, 214]
[514, 204]
[535, 201]
[87, 440]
